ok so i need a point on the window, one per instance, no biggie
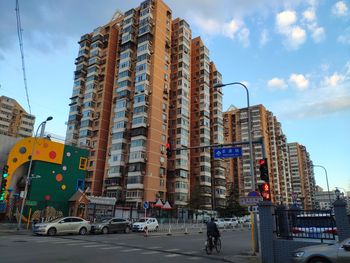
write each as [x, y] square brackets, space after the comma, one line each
[82, 163]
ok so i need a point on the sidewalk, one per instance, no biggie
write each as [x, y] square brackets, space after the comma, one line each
[11, 229]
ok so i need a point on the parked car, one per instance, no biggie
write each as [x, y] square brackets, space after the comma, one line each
[314, 225]
[324, 253]
[149, 223]
[111, 225]
[231, 222]
[220, 222]
[63, 225]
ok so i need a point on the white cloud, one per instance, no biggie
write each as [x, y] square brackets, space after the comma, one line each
[286, 24]
[231, 28]
[277, 83]
[333, 80]
[285, 20]
[340, 9]
[309, 15]
[299, 81]
[264, 37]
[208, 26]
[318, 34]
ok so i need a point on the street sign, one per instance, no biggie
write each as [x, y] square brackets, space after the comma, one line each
[146, 205]
[250, 200]
[232, 152]
[31, 203]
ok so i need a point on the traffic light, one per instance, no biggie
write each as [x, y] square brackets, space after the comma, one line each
[264, 170]
[264, 190]
[168, 150]
[3, 182]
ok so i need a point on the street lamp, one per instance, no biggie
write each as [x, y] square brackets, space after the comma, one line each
[220, 85]
[329, 193]
[30, 168]
[252, 171]
[337, 193]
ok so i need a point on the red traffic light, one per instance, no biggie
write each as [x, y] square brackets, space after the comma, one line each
[265, 191]
[167, 146]
[262, 161]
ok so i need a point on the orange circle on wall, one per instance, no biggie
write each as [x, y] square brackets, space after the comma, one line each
[59, 177]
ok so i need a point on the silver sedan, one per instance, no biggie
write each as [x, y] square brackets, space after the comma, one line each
[64, 225]
[325, 253]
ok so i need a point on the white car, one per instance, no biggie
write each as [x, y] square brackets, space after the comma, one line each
[220, 222]
[231, 222]
[63, 225]
[150, 223]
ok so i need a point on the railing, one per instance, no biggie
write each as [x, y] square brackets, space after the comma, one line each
[309, 224]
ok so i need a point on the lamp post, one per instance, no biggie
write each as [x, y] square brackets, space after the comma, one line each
[29, 170]
[252, 171]
[329, 193]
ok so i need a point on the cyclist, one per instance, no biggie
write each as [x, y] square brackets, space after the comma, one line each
[212, 231]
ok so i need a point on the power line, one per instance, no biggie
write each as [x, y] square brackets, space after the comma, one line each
[20, 39]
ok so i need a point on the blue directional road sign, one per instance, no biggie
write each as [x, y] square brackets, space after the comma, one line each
[146, 205]
[227, 152]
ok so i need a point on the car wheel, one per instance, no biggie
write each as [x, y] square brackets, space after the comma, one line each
[318, 260]
[127, 229]
[52, 231]
[82, 231]
[105, 230]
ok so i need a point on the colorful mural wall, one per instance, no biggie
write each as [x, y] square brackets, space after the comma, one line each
[58, 170]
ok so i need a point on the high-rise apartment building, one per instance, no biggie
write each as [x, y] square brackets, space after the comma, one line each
[14, 120]
[269, 141]
[133, 95]
[303, 180]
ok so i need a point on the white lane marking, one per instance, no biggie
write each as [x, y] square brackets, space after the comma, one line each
[150, 252]
[172, 255]
[154, 247]
[194, 258]
[173, 249]
[130, 250]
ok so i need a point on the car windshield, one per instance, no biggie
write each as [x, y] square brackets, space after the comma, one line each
[142, 220]
[105, 220]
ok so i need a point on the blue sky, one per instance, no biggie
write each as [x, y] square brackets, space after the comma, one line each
[294, 56]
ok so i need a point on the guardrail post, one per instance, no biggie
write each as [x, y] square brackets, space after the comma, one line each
[341, 219]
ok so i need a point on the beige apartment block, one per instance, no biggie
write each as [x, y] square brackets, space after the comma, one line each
[14, 120]
[269, 141]
[303, 180]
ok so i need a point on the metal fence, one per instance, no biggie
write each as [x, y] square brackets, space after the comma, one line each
[309, 224]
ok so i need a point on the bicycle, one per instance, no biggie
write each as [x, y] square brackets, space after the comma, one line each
[211, 243]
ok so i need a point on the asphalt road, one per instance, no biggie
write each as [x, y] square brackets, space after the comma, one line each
[133, 247]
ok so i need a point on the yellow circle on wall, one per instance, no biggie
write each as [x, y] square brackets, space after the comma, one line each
[63, 187]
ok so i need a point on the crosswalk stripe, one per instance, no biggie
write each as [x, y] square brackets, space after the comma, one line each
[117, 247]
[172, 255]
[155, 247]
[78, 244]
[194, 258]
